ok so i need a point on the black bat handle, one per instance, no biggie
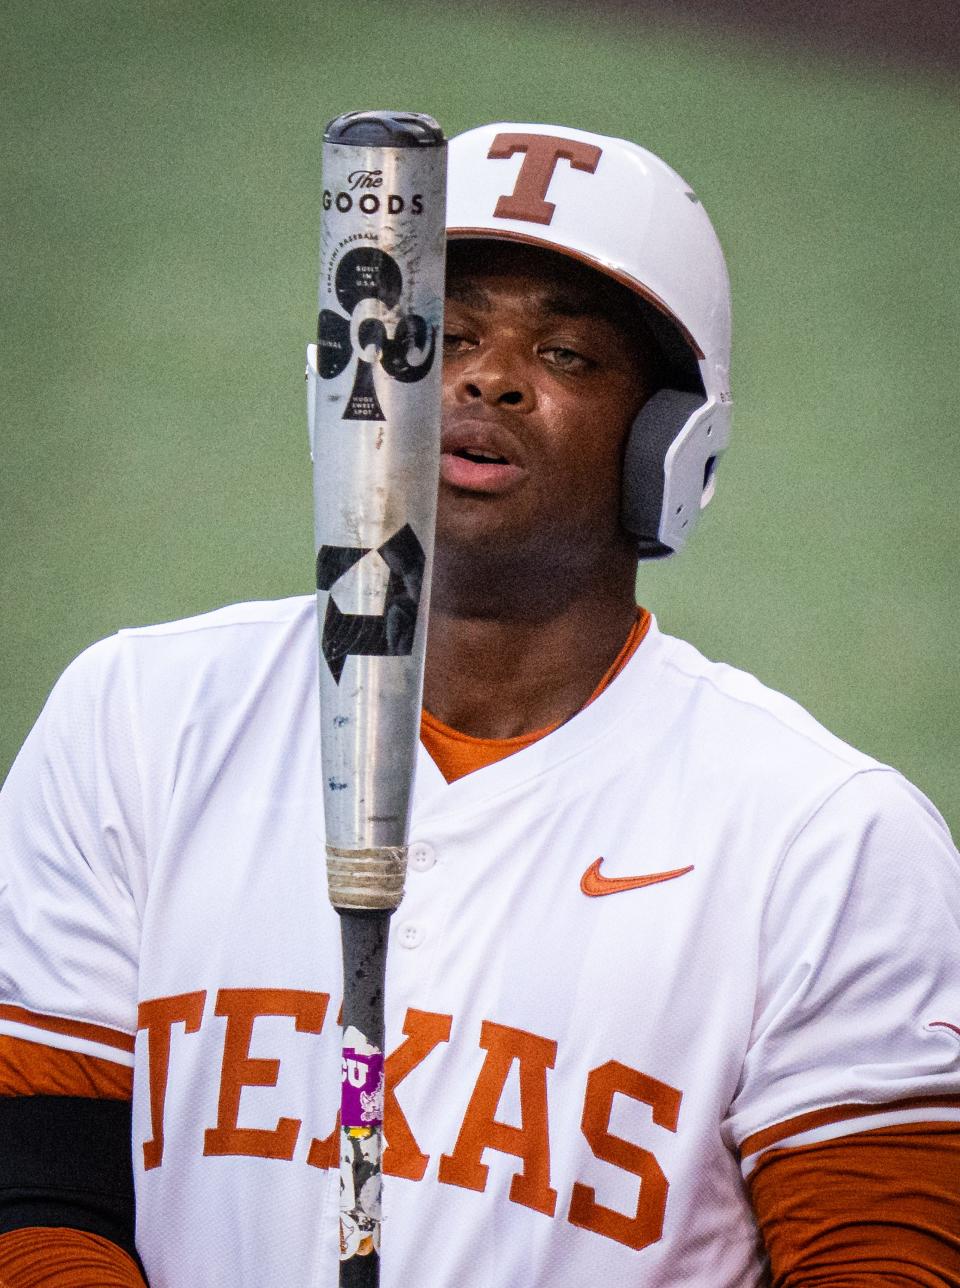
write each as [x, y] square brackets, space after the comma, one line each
[364, 935]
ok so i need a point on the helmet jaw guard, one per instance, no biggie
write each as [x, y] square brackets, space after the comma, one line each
[621, 210]
[668, 468]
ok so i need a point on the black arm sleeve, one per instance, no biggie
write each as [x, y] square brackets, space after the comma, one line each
[66, 1161]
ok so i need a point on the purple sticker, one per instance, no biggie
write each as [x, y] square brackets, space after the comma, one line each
[361, 1089]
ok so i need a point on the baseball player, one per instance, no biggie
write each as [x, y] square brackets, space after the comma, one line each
[674, 991]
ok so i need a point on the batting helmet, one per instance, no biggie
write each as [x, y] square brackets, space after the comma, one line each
[611, 204]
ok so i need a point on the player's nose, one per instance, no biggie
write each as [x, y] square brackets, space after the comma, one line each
[496, 379]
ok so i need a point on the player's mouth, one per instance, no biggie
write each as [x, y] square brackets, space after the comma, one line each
[476, 459]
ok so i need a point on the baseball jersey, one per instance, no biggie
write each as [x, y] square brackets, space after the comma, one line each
[686, 927]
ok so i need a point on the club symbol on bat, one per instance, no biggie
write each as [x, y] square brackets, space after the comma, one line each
[386, 634]
[368, 284]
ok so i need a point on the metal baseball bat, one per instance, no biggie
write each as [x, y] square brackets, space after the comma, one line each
[374, 412]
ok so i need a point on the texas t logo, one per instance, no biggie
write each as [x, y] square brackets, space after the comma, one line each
[542, 152]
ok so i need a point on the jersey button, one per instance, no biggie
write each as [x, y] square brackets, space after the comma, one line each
[421, 856]
[410, 935]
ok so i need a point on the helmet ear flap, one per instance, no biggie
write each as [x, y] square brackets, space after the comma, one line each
[654, 497]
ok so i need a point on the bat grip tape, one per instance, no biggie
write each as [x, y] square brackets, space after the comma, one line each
[367, 879]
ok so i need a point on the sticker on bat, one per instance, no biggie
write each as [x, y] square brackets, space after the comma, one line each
[386, 634]
[361, 1081]
[361, 1117]
[361, 1190]
[370, 280]
[361, 1089]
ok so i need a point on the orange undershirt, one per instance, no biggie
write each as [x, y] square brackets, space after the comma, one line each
[878, 1208]
[457, 754]
[56, 1257]
[871, 1209]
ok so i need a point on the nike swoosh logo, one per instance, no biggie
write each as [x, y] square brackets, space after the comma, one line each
[593, 884]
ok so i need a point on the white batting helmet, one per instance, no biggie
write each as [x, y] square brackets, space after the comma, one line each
[611, 204]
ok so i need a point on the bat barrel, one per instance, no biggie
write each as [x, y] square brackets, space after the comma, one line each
[374, 384]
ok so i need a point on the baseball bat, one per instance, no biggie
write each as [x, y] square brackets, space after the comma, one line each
[374, 412]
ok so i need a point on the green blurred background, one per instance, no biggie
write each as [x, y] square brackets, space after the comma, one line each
[160, 198]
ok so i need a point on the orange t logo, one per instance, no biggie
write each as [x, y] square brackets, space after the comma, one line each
[541, 154]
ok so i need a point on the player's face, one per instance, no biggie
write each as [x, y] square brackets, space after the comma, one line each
[544, 372]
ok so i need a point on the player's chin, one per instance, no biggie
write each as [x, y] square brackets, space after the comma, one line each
[481, 525]
[484, 512]
[521, 543]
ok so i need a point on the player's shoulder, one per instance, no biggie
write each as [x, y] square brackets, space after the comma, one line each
[216, 649]
[229, 646]
[734, 707]
[272, 615]
[761, 752]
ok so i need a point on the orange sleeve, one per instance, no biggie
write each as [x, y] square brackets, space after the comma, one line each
[32, 1069]
[60, 1258]
[880, 1207]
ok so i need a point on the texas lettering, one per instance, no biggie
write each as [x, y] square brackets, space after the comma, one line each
[507, 1052]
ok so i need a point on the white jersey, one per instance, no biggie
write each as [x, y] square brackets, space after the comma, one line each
[685, 927]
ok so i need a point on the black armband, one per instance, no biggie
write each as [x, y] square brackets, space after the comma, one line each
[66, 1161]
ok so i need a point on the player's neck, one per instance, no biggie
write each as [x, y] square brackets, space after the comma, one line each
[499, 674]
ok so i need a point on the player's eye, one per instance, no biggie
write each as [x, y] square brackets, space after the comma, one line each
[566, 359]
[455, 342]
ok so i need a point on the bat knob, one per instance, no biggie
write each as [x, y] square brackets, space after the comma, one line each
[384, 130]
